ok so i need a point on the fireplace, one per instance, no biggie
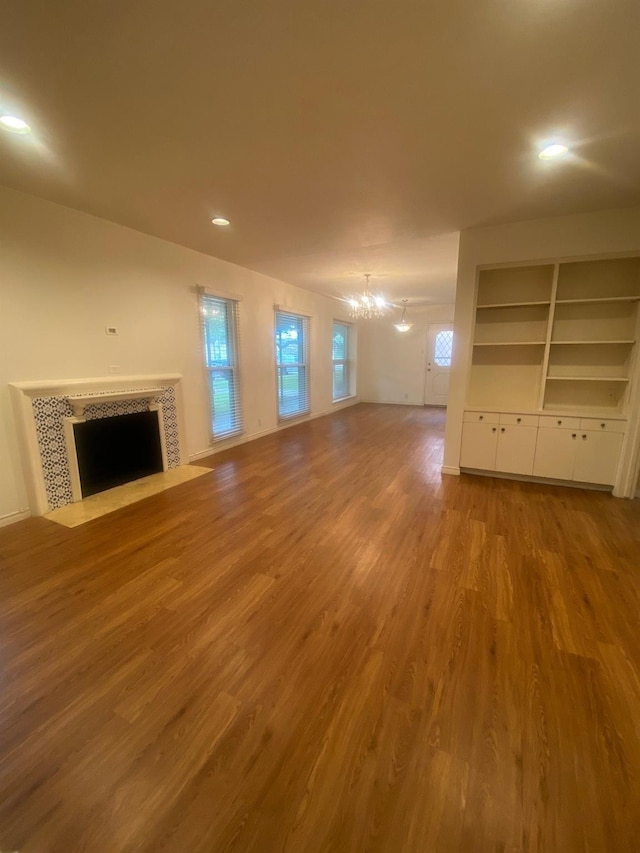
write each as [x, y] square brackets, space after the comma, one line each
[79, 437]
[116, 450]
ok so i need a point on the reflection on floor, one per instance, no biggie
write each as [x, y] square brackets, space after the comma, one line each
[98, 505]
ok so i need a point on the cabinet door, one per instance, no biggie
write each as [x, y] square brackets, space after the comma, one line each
[597, 457]
[479, 446]
[516, 449]
[555, 453]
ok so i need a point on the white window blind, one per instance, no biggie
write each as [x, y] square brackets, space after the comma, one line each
[341, 360]
[220, 334]
[292, 364]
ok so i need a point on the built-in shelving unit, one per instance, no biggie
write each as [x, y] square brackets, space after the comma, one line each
[510, 344]
[552, 367]
[556, 337]
[599, 299]
[590, 378]
[511, 331]
[595, 320]
[592, 343]
[512, 304]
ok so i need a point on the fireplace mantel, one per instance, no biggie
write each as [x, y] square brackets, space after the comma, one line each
[99, 385]
[80, 394]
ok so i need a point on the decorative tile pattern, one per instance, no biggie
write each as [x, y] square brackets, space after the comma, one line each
[171, 432]
[48, 413]
[114, 408]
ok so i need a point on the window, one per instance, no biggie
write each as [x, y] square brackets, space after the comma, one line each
[219, 319]
[292, 364]
[442, 348]
[341, 364]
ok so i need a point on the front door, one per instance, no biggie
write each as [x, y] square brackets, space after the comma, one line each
[439, 347]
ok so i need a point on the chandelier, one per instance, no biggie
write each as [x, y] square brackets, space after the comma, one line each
[403, 326]
[366, 306]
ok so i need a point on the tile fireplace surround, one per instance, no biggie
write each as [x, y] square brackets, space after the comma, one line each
[46, 410]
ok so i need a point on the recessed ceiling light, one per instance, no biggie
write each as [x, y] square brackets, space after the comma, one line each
[14, 124]
[553, 151]
[220, 220]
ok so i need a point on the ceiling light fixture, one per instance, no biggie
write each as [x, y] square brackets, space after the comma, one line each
[14, 124]
[366, 306]
[553, 151]
[220, 220]
[403, 326]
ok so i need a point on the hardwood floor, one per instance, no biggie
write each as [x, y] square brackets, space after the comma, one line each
[325, 646]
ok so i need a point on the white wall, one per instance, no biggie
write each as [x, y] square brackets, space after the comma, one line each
[392, 365]
[65, 275]
[567, 237]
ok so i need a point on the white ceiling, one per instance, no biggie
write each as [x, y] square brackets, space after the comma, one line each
[339, 137]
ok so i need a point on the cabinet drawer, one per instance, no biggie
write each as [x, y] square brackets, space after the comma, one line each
[482, 417]
[559, 422]
[601, 424]
[522, 420]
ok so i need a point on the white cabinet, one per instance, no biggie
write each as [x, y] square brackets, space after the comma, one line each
[555, 453]
[492, 442]
[479, 442]
[597, 455]
[516, 449]
[586, 456]
[585, 450]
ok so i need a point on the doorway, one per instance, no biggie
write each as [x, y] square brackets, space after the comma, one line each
[439, 349]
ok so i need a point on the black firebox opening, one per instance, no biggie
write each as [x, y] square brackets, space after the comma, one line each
[116, 450]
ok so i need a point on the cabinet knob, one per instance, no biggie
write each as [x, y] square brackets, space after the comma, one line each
[603, 425]
[584, 436]
[481, 418]
[494, 429]
[573, 435]
[501, 429]
[519, 420]
[559, 422]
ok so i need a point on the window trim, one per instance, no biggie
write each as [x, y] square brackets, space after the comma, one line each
[233, 368]
[306, 334]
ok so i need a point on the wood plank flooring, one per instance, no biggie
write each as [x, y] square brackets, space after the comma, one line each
[324, 645]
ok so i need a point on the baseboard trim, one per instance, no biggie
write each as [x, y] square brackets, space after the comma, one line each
[541, 481]
[244, 439]
[393, 402]
[13, 517]
[450, 469]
